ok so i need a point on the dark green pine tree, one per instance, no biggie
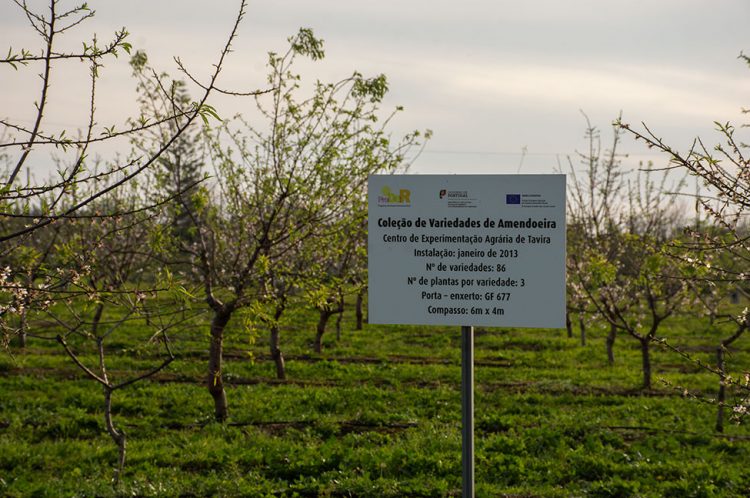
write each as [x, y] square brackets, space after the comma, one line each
[164, 103]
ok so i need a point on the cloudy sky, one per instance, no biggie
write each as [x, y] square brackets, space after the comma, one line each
[491, 78]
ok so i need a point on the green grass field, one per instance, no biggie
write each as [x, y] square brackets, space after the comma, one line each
[378, 414]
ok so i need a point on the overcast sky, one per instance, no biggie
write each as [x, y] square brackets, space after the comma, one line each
[490, 78]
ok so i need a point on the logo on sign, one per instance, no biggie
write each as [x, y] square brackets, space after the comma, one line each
[454, 194]
[513, 198]
[388, 197]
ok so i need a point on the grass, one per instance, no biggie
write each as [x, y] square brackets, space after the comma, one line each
[378, 414]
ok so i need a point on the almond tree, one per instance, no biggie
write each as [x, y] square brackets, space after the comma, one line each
[596, 200]
[620, 265]
[279, 286]
[323, 269]
[117, 281]
[634, 292]
[336, 266]
[275, 185]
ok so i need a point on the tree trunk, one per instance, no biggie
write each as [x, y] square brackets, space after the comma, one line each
[215, 362]
[276, 354]
[367, 310]
[118, 436]
[646, 357]
[568, 324]
[721, 397]
[582, 327]
[611, 344]
[97, 318]
[324, 316]
[360, 302]
[339, 318]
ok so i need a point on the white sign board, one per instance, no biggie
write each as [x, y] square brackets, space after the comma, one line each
[467, 250]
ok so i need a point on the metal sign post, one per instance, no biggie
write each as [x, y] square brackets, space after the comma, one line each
[467, 410]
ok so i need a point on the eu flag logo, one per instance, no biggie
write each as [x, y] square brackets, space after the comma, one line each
[513, 198]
